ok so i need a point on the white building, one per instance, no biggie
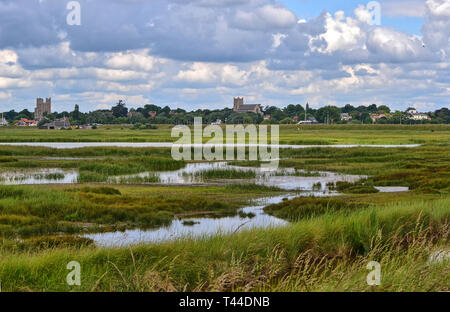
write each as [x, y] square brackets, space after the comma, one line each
[413, 114]
[3, 121]
[346, 117]
[217, 122]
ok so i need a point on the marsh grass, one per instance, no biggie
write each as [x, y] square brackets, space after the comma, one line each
[91, 171]
[150, 178]
[310, 207]
[327, 253]
[34, 210]
[49, 176]
[252, 187]
[289, 134]
[297, 173]
[230, 173]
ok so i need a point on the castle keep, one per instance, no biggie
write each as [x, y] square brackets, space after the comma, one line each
[42, 108]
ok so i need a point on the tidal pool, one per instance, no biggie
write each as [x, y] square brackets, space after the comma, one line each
[283, 178]
[201, 227]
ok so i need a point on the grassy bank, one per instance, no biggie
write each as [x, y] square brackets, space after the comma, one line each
[27, 211]
[289, 134]
[325, 253]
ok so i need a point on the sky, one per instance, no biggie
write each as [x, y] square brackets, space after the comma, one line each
[197, 54]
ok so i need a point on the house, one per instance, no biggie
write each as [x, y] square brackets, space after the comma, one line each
[346, 117]
[413, 114]
[23, 122]
[57, 124]
[240, 107]
[217, 122]
[267, 117]
[132, 113]
[295, 119]
[375, 117]
[152, 114]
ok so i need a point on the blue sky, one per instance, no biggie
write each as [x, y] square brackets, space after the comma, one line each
[310, 8]
[201, 53]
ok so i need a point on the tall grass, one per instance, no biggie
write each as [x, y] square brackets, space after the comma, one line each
[223, 174]
[326, 253]
[55, 210]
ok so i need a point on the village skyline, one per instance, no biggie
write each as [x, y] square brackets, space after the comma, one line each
[239, 112]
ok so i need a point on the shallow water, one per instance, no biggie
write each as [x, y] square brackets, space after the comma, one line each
[203, 227]
[263, 177]
[211, 226]
[168, 144]
[37, 176]
[392, 189]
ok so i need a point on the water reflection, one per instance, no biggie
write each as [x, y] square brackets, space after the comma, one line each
[39, 176]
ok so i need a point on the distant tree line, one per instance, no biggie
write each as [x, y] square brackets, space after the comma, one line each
[292, 113]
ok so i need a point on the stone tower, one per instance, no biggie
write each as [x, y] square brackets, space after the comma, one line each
[42, 108]
[238, 102]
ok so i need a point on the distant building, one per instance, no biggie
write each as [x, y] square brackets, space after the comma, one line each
[309, 121]
[217, 122]
[375, 117]
[23, 122]
[346, 117]
[42, 108]
[3, 122]
[240, 107]
[152, 114]
[267, 117]
[57, 124]
[413, 114]
[132, 113]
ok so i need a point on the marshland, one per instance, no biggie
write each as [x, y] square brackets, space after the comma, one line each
[313, 225]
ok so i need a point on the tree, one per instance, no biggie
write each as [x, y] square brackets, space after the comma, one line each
[328, 113]
[384, 109]
[286, 121]
[372, 108]
[348, 109]
[25, 114]
[398, 117]
[76, 113]
[120, 110]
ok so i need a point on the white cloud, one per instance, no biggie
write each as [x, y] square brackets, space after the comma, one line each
[341, 33]
[130, 60]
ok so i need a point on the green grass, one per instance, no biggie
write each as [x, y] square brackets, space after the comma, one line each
[289, 134]
[41, 210]
[325, 248]
[230, 173]
[49, 176]
[326, 253]
[310, 207]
